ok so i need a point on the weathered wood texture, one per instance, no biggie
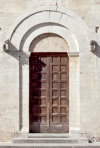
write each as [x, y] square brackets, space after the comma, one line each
[49, 93]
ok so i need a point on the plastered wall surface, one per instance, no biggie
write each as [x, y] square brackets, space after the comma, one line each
[88, 62]
[49, 42]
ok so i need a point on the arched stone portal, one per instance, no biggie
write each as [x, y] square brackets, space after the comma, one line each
[33, 23]
[49, 85]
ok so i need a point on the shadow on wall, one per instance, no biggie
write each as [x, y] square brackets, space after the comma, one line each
[17, 54]
[97, 51]
[23, 60]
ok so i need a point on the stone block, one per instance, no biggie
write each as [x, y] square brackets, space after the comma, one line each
[63, 19]
[46, 16]
[55, 16]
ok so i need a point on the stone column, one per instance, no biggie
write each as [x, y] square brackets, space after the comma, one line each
[24, 92]
[73, 91]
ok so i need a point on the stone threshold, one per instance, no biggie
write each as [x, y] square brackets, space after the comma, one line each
[48, 135]
[35, 145]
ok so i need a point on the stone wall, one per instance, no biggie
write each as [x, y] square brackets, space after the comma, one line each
[89, 67]
[87, 10]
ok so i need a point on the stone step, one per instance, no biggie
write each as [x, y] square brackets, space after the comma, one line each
[50, 140]
[48, 135]
[51, 145]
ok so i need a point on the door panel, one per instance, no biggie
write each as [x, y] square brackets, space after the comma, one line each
[39, 80]
[59, 106]
[49, 93]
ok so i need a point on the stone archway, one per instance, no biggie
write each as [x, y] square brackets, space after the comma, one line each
[34, 23]
[49, 15]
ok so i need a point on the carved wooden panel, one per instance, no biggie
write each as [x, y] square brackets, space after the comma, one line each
[39, 80]
[49, 93]
[59, 93]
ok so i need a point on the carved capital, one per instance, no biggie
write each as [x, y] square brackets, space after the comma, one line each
[73, 54]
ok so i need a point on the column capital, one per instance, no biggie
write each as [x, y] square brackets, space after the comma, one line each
[73, 54]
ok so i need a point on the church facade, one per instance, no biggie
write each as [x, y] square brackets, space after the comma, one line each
[49, 67]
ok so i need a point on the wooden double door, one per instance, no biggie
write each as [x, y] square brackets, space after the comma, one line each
[49, 93]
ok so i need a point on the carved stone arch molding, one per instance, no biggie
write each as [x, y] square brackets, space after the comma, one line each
[52, 15]
[48, 28]
[26, 28]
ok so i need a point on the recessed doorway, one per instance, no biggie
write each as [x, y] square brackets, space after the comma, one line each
[49, 93]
